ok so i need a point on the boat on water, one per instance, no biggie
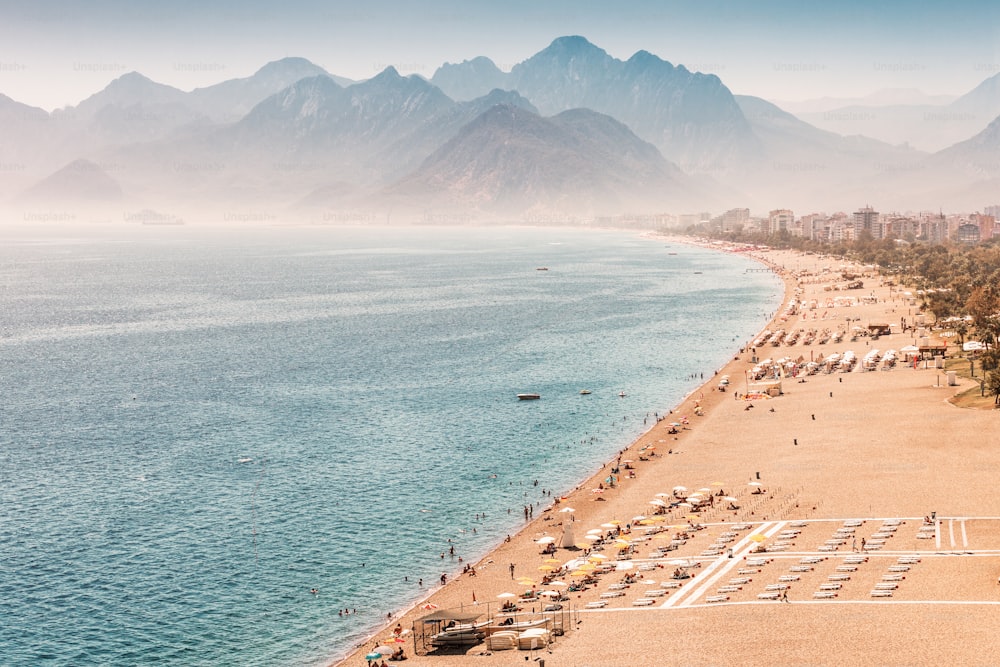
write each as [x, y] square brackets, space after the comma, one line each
[528, 397]
[542, 268]
[584, 391]
[622, 394]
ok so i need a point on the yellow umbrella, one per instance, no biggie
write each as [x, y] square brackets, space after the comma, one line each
[718, 484]
[552, 561]
[597, 557]
[545, 568]
[582, 545]
[758, 537]
[578, 573]
[587, 567]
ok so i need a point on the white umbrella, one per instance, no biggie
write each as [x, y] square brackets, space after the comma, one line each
[638, 517]
[663, 495]
[592, 538]
[680, 488]
[567, 509]
[548, 539]
[609, 525]
[595, 531]
[754, 484]
[658, 502]
[506, 595]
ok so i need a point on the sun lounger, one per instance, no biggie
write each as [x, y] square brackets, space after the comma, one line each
[646, 567]
[811, 560]
[655, 593]
[908, 560]
[830, 587]
[874, 546]
[893, 577]
[798, 524]
[855, 560]
[717, 598]
[643, 602]
[757, 562]
[887, 528]
[852, 523]
[899, 568]
[670, 584]
[596, 604]
[925, 536]
[839, 577]
[881, 594]
[881, 536]
[824, 595]
[775, 587]
[739, 581]
[789, 577]
[770, 595]
[826, 547]
[847, 568]
[836, 541]
[892, 522]
[729, 589]
[777, 546]
[747, 570]
[886, 586]
[617, 587]
[801, 568]
[612, 594]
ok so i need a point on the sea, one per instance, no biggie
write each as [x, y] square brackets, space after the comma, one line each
[200, 425]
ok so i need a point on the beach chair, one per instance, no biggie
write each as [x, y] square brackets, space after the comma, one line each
[612, 594]
[878, 593]
[811, 560]
[776, 587]
[899, 568]
[893, 577]
[643, 602]
[801, 568]
[769, 595]
[596, 604]
[655, 593]
[670, 584]
[886, 586]
[826, 547]
[824, 595]
[839, 577]
[789, 577]
[739, 581]
[717, 598]
[830, 587]
[847, 568]
[729, 589]
[747, 570]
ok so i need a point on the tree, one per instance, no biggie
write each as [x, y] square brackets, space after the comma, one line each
[993, 385]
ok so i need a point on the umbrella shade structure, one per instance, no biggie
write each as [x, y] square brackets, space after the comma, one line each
[595, 531]
[373, 656]
[552, 561]
[506, 595]
[658, 502]
[429, 606]
[558, 583]
[566, 510]
[548, 539]
[545, 568]
[609, 525]
[582, 545]
[754, 484]
[758, 537]
[592, 538]
[384, 650]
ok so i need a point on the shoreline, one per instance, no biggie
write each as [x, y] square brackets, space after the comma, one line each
[862, 494]
[488, 558]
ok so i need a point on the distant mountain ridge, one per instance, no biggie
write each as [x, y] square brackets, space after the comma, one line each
[591, 133]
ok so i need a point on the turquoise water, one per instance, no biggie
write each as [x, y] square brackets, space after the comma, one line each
[198, 426]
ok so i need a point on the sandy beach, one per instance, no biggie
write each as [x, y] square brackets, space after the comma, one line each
[834, 481]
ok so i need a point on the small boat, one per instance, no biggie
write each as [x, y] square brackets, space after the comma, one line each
[697, 273]
[584, 391]
[528, 397]
[622, 394]
[542, 268]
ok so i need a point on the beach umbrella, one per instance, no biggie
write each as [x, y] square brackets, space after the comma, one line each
[592, 538]
[429, 606]
[705, 490]
[567, 509]
[384, 650]
[548, 539]
[758, 537]
[552, 561]
[373, 656]
[685, 505]
[550, 594]
[558, 583]
[754, 484]
[578, 573]
[582, 545]
[545, 568]
[680, 488]
[506, 595]
[658, 502]
[609, 525]
[638, 517]
[595, 531]
[597, 557]
[731, 499]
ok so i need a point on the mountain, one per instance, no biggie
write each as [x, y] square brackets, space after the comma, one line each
[469, 79]
[691, 117]
[129, 90]
[511, 161]
[978, 156]
[80, 182]
[930, 127]
[231, 100]
[803, 167]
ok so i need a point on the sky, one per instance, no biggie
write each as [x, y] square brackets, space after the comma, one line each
[55, 53]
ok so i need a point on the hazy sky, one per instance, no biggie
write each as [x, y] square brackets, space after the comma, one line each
[54, 53]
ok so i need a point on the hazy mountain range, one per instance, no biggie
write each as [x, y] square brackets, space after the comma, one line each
[570, 132]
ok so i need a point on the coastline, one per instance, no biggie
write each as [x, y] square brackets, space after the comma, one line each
[706, 396]
[872, 449]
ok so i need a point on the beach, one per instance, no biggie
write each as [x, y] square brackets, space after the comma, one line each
[834, 460]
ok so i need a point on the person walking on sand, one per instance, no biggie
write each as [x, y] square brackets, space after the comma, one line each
[511, 570]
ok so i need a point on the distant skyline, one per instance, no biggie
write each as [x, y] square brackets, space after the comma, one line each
[57, 53]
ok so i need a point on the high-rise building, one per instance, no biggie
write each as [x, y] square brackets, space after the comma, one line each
[780, 220]
[735, 218]
[867, 220]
